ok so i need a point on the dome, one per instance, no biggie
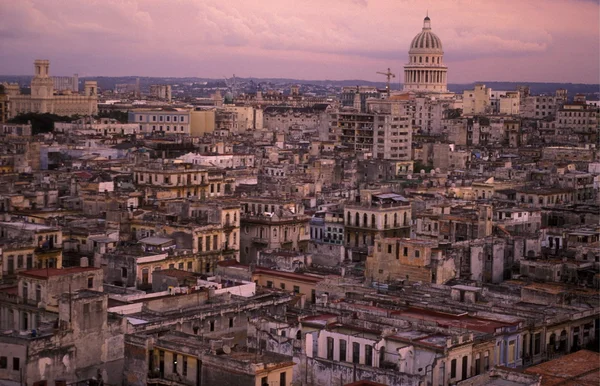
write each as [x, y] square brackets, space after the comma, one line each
[426, 41]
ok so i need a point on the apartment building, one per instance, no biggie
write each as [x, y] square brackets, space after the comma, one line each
[384, 136]
[376, 215]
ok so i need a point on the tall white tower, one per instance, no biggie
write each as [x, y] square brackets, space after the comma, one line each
[425, 70]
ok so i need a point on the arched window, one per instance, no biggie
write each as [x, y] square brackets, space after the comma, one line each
[348, 217]
[395, 219]
[365, 220]
[420, 59]
[357, 219]
[385, 220]
[373, 221]
[405, 219]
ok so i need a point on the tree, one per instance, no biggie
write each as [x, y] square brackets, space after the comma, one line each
[41, 123]
[418, 166]
[121, 116]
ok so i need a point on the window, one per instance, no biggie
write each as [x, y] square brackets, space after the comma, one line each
[3, 362]
[124, 272]
[264, 382]
[282, 285]
[296, 289]
[486, 361]
[453, 368]
[269, 284]
[369, 355]
[174, 363]
[185, 365]
[330, 348]
[417, 254]
[16, 364]
[536, 343]
[342, 350]
[90, 282]
[189, 266]
[355, 352]
[212, 325]
[389, 248]
[511, 351]
[230, 322]
[405, 252]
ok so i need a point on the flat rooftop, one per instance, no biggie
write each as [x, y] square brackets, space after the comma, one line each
[45, 273]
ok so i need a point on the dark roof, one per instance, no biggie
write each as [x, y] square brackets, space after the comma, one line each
[319, 107]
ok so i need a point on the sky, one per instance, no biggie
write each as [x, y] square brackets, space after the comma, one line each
[507, 40]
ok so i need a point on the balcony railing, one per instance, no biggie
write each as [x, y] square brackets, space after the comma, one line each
[260, 240]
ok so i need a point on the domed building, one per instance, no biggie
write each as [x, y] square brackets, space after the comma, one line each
[425, 71]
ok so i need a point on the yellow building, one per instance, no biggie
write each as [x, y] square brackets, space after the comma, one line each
[202, 122]
[395, 259]
[164, 181]
[288, 281]
[4, 108]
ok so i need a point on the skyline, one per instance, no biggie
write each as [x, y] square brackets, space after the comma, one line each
[512, 41]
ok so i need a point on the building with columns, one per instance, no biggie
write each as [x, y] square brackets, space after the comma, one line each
[43, 98]
[426, 71]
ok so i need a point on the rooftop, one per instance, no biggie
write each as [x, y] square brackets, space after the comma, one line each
[45, 273]
[580, 368]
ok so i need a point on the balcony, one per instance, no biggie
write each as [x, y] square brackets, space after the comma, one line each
[229, 225]
[260, 240]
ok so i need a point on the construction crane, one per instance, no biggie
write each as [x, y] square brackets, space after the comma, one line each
[389, 76]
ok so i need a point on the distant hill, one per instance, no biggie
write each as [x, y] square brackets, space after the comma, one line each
[107, 83]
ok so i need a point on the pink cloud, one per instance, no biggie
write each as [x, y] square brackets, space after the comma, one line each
[337, 39]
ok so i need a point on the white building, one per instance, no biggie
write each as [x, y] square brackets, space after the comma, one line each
[161, 92]
[63, 83]
[43, 100]
[221, 161]
[168, 121]
[426, 71]
[103, 127]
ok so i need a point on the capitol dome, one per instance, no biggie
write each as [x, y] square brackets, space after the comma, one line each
[425, 71]
[426, 40]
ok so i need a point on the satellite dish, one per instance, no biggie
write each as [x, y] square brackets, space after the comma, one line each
[226, 349]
